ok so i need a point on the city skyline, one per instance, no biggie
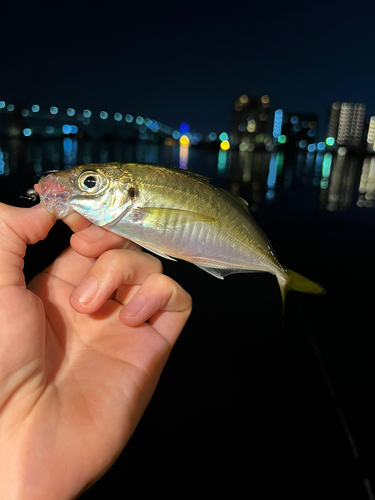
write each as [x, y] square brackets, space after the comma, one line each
[254, 123]
[187, 63]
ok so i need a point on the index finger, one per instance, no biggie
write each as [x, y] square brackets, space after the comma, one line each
[90, 240]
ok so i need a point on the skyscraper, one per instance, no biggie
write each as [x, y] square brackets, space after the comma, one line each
[251, 122]
[346, 123]
[371, 135]
[294, 129]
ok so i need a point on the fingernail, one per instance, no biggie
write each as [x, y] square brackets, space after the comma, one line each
[86, 291]
[134, 306]
[91, 234]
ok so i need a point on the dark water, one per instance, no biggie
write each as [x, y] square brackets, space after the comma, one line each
[250, 406]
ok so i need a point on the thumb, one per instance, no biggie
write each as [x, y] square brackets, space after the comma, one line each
[18, 228]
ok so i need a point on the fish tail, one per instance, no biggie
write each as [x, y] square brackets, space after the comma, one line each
[295, 281]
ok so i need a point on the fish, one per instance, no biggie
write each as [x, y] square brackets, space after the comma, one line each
[174, 213]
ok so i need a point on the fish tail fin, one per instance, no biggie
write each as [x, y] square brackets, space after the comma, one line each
[295, 281]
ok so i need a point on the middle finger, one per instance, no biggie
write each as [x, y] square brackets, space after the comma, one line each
[110, 271]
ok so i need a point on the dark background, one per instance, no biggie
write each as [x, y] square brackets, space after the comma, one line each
[249, 405]
[187, 61]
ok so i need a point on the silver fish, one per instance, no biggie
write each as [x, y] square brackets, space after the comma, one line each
[174, 213]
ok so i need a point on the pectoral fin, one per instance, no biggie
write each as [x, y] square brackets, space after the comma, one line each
[172, 216]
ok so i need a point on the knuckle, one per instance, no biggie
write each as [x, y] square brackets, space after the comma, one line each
[158, 266]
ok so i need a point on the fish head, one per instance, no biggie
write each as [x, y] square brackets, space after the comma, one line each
[101, 193]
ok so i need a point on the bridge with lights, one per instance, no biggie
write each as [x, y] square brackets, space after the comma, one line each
[35, 121]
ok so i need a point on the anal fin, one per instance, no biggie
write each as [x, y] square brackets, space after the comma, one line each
[156, 252]
[222, 273]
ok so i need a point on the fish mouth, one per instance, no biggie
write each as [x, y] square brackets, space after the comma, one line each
[54, 196]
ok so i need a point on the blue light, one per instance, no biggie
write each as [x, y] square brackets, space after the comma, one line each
[242, 127]
[148, 122]
[67, 146]
[270, 195]
[302, 144]
[49, 129]
[53, 110]
[87, 113]
[176, 134]
[294, 119]
[278, 123]
[271, 181]
[139, 120]
[35, 108]
[321, 146]
[311, 132]
[2, 104]
[212, 136]
[155, 125]
[70, 112]
[73, 129]
[103, 115]
[129, 118]
[67, 129]
[184, 128]
[25, 112]
[26, 132]
[311, 148]
[118, 117]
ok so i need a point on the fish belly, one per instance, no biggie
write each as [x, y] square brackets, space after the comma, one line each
[203, 243]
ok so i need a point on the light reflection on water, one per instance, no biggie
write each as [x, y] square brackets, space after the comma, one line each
[333, 180]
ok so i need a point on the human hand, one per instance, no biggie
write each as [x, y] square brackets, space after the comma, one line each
[76, 374]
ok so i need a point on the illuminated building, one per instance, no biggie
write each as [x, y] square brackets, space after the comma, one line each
[371, 135]
[294, 129]
[346, 123]
[250, 125]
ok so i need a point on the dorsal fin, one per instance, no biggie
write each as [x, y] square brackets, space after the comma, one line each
[237, 199]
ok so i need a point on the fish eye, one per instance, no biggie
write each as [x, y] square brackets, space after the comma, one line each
[89, 182]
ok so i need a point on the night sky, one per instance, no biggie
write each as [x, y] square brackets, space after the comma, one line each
[187, 61]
